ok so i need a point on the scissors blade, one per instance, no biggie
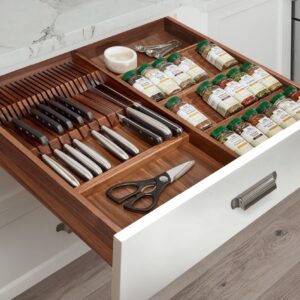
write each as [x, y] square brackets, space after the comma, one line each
[180, 170]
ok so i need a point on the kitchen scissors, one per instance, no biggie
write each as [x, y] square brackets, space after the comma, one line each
[149, 188]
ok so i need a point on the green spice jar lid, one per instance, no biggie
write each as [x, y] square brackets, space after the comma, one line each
[261, 107]
[172, 101]
[245, 66]
[248, 113]
[231, 72]
[173, 56]
[288, 90]
[218, 79]
[203, 86]
[157, 62]
[231, 124]
[201, 44]
[142, 68]
[276, 98]
[217, 131]
[128, 74]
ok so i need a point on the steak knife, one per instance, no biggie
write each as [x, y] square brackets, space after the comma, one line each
[77, 108]
[120, 140]
[60, 170]
[110, 145]
[84, 160]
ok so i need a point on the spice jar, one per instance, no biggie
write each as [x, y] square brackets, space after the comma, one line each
[188, 112]
[160, 79]
[278, 115]
[292, 93]
[259, 74]
[231, 140]
[188, 66]
[174, 72]
[143, 85]
[262, 122]
[218, 99]
[215, 55]
[235, 89]
[251, 84]
[290, 106]
[248, 132]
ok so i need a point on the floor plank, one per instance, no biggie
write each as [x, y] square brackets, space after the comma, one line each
[261, 262]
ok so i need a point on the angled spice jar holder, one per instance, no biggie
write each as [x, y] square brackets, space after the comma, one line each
[141, 248]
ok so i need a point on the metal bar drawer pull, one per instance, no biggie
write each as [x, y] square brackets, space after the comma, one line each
[255, 192]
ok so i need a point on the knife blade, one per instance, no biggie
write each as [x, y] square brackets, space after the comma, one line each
[84, 160]
[75, 107]
[60, 170]
[80, 170]
[46, 121]
[93, 154]
[145, 133]
[66, 112]
[120, 140]
[109, 145]
[65, 122]
[30, 131]
[175, 128]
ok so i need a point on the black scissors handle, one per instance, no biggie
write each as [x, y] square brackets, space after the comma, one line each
[158, 184]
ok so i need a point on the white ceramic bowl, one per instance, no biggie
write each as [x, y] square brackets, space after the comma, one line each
[119, 59]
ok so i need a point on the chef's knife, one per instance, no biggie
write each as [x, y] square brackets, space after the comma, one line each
[142, 131]
[84, 160]
[75, 107]
[66, 112]
[120, 140]
[80, 170]
[60, 170]
[110, 145]
[175, 128]
[65, 122]
[30, 131]
[93, 154]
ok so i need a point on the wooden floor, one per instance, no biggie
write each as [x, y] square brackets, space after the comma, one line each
[261, 262]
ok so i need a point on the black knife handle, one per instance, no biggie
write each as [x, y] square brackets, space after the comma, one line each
[142, 131]
[66, 112]
[30, 132]
[51, 113]
[75, 107]
[175, 128]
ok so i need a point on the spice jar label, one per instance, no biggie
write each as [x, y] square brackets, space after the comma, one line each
[252, 135]
[282, 118]
[145, 86]
[267, 126]
[175, 73]
[291, 107]
[236, 143]
[191, 114]
[190, 67]
[251, 84]
[218, 57]
[265, 78]
[236, 90]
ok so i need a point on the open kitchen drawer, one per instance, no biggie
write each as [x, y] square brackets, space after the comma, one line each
[194, 215]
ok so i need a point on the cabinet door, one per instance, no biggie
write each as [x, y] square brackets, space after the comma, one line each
[260, 29]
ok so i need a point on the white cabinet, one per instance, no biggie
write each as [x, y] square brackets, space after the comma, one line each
[260, 29]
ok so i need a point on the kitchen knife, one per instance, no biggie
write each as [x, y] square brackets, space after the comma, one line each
[46, 121]
[109, 145]
[30, 131]
[66, 112]
[142, 131]
[84, 160]
[65, 122]
[120, 140]
[75, 107]
[93, 154]
[80, 170]
[60, 170]
[175, 128]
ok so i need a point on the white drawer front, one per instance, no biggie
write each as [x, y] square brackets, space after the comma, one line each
[159, 247]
